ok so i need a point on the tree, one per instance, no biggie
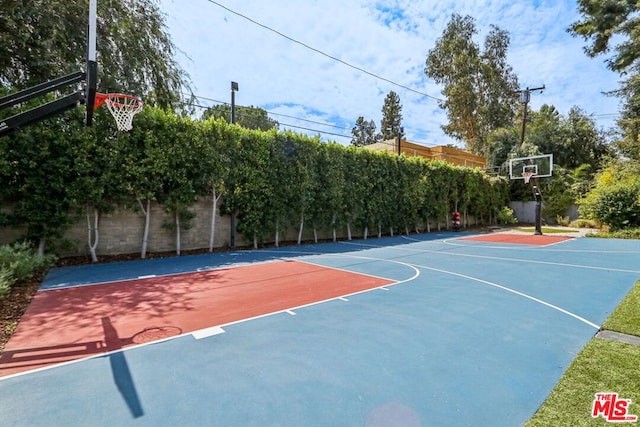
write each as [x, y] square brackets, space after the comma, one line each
[545, 130]
[629, 144]
[603, 20]
[606, 21]
[247, 117]
[583, 143]
[44, 40]
[573, 140]
[478, 85]
[391, 123]
[364, 133]
[500, 142]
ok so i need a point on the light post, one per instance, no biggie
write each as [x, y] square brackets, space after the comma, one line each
[232, 238]
[234, 88]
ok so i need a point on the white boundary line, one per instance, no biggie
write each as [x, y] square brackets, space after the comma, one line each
[160, 276]
[516, 247]
[528, 261]
[532, 248]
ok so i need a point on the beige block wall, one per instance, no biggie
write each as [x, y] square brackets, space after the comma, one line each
[121, 232]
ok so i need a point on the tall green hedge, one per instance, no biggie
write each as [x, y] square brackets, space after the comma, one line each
[273, 181]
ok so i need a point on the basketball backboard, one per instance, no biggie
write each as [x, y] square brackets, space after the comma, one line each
[540, 166]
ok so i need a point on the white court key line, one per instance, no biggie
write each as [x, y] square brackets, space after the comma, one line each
[513, 291]
[486, 282]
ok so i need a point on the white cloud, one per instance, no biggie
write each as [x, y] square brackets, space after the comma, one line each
[388, 38]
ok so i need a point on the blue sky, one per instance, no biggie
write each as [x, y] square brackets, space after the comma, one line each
[389, 38]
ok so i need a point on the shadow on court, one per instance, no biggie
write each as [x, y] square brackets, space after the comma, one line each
[450, 332]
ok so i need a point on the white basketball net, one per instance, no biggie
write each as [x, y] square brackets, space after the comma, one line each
[527, 176]
[123, 108]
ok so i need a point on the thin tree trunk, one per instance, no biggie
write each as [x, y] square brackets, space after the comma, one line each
[255, 242]
[41, 245]
[348, 231]
[301, 230]
[315, 235]
[277, 242]
[391, 231]
[428, 227]
[333, 223]
[366, 232]
[92, 233]
[214, 211]
[147, 220]
[379, 230]
[177, 217]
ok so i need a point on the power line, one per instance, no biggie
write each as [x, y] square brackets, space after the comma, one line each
[193, 104]
[269, 112]
[315, 130]
[355, 67]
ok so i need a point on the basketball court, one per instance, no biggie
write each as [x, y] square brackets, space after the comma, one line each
[442, 329]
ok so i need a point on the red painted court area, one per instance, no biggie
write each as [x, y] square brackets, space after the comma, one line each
[520, 239]
[67, 324]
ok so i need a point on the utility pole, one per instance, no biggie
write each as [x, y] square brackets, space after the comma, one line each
[525, 97]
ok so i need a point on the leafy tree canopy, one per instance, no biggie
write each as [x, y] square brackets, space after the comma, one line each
[479, 85]
[44, 40]
[603, 23]
[605, 19]
[364, 133]
[573, 139]
[247, 117]
[391, 123]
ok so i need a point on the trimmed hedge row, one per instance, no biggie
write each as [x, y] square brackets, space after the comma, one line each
[272, 180]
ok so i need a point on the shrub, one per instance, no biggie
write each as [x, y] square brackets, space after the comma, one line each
[617, 206]
[18, 263]
[615, 199]
[584, 223]
[627, 233]
[563, 220]
[505, 216]
[6, 280]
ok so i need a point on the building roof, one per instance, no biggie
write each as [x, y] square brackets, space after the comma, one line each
[449, 154]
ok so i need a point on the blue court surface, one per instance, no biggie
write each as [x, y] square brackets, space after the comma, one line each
[470, 334]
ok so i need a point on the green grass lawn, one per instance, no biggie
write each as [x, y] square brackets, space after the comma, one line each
[547, 230]
[602, 366]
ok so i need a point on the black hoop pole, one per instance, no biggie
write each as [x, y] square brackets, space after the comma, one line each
[538, 196]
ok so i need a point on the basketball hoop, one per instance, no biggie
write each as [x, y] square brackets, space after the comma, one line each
[527, 176]
[122, 107]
